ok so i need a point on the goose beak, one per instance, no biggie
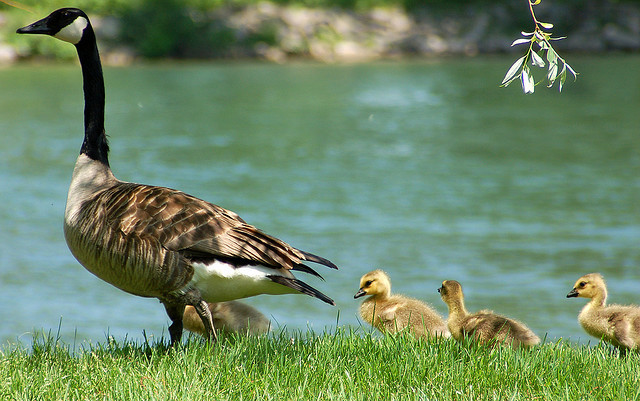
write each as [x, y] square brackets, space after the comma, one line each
[39, 27]
[360, 293]
[572, 294]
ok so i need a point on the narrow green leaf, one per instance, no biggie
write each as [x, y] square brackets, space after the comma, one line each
[527, 33]
[546, 25]
[532, 83]
[551, 56]
[528, 84]
[553, 73]
[575, 74]
[520, 41]
[505, 84]
[513, 71]
[537, 60]
[563, 77]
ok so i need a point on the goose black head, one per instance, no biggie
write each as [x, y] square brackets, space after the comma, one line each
[66, 24]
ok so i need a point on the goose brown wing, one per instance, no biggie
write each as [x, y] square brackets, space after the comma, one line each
[199, 229]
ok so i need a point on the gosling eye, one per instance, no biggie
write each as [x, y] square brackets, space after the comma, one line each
[582, 284]
[368, 283]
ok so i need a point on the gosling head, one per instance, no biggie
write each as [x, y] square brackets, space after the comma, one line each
[588, 286]
[374, 283]
[67, 24]
[450, 291]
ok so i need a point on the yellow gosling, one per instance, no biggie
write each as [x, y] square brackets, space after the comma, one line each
[484, 326]
[230, 317]
[618, 325]
[393, 313]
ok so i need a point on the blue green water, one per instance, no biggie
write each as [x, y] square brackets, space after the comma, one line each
[428, 170]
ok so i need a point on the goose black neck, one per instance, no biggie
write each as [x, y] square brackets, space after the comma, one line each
[95, 141]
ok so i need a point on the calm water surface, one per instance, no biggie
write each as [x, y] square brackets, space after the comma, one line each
[428, 170]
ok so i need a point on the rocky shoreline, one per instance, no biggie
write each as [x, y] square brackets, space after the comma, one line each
[279, 33]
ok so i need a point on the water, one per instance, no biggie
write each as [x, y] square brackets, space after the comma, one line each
[425, 169]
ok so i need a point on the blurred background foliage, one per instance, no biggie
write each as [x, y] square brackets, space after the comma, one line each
[176, 28]
[184, 28]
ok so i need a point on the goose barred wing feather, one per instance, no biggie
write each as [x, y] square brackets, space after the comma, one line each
[135, 262]
[199, 229]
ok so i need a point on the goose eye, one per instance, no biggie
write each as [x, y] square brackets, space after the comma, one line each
[368, 283]
[582, 284]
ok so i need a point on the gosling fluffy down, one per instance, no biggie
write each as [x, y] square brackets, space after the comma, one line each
[484, 326]
[393, 313]
[618, 325]
[230, 317]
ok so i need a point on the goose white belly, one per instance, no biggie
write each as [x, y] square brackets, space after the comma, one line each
[219, 281]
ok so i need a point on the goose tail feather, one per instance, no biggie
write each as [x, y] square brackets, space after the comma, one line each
[301, 287]
[318, 259]
[306, 269]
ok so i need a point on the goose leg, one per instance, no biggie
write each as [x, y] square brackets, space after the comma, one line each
[175, 313]
[175, 305]
[623, 352]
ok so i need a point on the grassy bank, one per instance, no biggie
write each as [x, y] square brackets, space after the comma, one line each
[340, 365]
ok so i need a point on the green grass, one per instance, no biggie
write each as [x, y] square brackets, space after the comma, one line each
[344, 365]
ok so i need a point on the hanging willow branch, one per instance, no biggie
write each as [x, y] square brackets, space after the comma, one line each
[540, 49]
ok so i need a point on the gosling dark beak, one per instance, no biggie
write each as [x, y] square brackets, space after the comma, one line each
[360, 293]
[572, 294]
[39, 27]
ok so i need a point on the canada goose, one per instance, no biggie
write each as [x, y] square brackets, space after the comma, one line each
[392, 313]
[231, 317]
[158, 242]
[618, 325]
[484, 326]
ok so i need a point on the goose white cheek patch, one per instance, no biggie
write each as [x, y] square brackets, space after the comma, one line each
[72, 33]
